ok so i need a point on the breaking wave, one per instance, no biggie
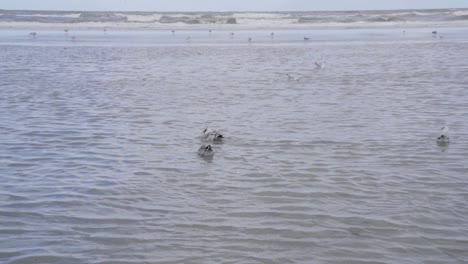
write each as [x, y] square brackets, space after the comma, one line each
[148, 19]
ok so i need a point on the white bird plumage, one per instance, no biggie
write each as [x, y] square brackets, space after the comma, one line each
[211, 135]
[320, 64]
[444, 136]
[292, 78]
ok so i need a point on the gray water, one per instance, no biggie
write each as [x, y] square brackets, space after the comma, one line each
[99, 140]
[149, 19]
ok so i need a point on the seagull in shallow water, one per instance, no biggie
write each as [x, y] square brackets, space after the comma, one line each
[211, 135]
[292, 78]
[444, 136]
[320, 64]
[206, 151]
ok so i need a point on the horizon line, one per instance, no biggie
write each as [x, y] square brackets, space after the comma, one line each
[234, 11]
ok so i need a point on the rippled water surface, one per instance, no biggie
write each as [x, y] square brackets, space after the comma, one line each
[99, 140]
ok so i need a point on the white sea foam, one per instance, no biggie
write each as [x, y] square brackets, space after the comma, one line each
[237, 20]
[141, 18]
[460, 13]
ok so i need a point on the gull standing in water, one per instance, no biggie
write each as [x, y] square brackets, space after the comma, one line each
[293, 78]
[320, 64]
[444, 136]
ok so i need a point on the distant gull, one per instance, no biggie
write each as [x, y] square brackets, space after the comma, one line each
[434, 32]
[249, 39]
[272, 34]
[66, 30]
[33, 34]
[444, 137]
[320, 64]
[206, 151]
[306, 38]
[210, 30]
[293, 78]
[211, 135]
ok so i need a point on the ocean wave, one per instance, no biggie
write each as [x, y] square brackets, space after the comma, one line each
[264, 19]
[458, 18]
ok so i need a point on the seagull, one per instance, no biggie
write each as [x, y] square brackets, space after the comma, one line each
[66, 30]
[320, 64]
[306, 38]
[206, 151]
[272, 34]
[211, 135]
[444, 137]
[249, 39]
[434, 32]
[33, 34]
[292, 78]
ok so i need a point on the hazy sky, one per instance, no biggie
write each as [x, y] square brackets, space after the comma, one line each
[226, 5]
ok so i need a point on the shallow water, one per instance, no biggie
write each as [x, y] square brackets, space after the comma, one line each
[99, 140]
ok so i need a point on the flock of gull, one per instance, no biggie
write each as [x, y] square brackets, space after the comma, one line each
[231, 34]
[213, 136]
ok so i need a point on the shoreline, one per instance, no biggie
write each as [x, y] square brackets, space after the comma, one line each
[182, 26]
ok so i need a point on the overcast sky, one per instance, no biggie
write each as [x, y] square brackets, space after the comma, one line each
[227, 5]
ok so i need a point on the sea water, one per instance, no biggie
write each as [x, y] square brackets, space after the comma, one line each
[99, 137]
